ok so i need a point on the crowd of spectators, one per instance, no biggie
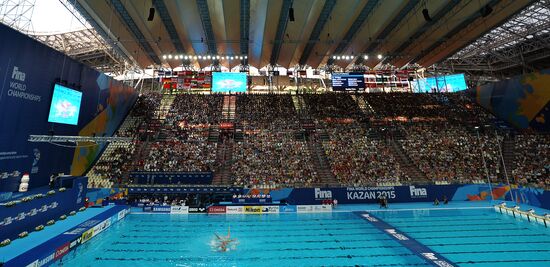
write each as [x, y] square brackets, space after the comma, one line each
[357, 160]
[175, 155]
[264, 110]
[267, 157]
[195, 109]
[446, 152]
[332, 105]
[532, 160]
[436, 134]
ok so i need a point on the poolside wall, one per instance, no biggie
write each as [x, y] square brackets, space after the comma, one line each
[59, 246]
[28, 71]
[417, 193]
[523, 101]
[25, 216]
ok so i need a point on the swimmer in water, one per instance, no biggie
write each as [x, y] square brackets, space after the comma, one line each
[223, 243]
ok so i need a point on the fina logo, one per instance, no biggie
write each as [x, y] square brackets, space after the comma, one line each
[418, 192]
[321, 194]
[17, 74]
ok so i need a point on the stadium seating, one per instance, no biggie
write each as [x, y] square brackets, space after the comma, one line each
[366, 139]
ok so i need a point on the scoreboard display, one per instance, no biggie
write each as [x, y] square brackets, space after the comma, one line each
[348, 81]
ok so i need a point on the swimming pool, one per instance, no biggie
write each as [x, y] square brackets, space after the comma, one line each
[467, 237]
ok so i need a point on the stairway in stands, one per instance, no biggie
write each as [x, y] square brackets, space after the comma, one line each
[320, 161]
[364, 105]
[229, 107]
[509, 154]
[225, 158]
[299, 105]
[160, 115]
[407, 165]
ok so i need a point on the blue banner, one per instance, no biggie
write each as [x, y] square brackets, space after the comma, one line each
[183, 189]
[357, 195]
[29, 71]
[172, 177]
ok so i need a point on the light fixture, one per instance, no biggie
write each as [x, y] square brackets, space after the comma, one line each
[209, 57]
[200, 57]
[181, 56]
[365, 57]
[217, 57]
[338, 57]
[163, 56]
[379, 56]
[231, 58]
[333, 57]
[245, 57]
[195, 57]
[186, 57]
[170, 56]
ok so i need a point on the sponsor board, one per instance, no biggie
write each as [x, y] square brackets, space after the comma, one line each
[179, 210]
[62, 250]
[101, 226]
[87, 235]
[234, 210]
[252, 209]
[313, 208]
[43, 262]
[322, 208]
[161, 209]
[304, 208]
[197, 210]
[270, 209]
[288, 208]
[216, 209]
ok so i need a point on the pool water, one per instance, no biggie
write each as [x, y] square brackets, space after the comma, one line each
[472, 237]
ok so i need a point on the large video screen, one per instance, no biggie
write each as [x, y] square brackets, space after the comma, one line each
[225, 82]
[65, 105]
[348, 81]
[447, 83]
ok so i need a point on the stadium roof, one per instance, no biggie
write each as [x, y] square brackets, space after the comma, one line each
[265, 33]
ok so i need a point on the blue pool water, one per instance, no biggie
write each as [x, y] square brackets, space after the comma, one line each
[469, 237]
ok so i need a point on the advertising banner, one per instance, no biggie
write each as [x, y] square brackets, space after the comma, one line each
[216, 209]
[252, 209]
[179, 210]
[87, 235]
[197, 210]
[357, 195]
[270, 209]
[287, 208]
[161, 209]
[234, 209]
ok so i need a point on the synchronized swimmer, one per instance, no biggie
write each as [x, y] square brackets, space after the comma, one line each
[224, 243]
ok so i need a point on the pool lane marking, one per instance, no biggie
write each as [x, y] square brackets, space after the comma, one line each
[419, 249]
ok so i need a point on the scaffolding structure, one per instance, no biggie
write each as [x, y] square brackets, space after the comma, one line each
[520, 45]
[17, 14]
[87, 47]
